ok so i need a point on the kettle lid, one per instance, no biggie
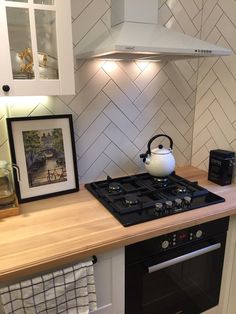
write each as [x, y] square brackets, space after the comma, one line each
[161, 150]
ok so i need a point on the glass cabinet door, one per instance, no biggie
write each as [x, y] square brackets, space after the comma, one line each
[32, 39]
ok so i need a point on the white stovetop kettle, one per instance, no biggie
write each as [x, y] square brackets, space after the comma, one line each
[159, 162]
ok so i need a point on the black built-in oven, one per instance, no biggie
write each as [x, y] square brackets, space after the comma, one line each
[178, 273]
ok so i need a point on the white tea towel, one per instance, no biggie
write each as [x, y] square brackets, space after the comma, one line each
[67, 291]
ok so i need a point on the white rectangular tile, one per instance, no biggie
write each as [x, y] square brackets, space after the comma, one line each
[91, 155]
[224, 100]
[121, 121]
[152, 89]
[150, 128]
[228, 30]
[211, 21]
[94, 171]
[150, 71]
[207, 9]
[229, 7]
[226, 78]
[200, 156]
[122, 80]
[90, 114]
[121, 100]
[89, 92]
[222, 121]
[205, 84]
[88, 18]
[204, 103]
[113, 152]
[114, 171]
[184, 20]
[179, 140]
[175, 117]
[177, 79]
[201, 139]
[176, 98]
[190, 7]
[91, 134]
[121, 140]
[201, 123]
[147, 114]
[218, 136]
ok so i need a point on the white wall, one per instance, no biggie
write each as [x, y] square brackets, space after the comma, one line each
[119, 106]
[215, 117]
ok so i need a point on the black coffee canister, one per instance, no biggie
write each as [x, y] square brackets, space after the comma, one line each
[221, 165]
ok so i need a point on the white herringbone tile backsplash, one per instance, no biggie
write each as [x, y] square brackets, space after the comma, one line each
[215, 116]
[119, 106]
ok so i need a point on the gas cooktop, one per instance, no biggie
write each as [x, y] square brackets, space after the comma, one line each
[139, 198]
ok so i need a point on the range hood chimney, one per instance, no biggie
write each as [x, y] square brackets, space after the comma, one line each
[136, 35]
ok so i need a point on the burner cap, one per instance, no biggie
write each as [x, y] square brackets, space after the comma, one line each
[180, 189]
[161, 182]
[131, 200]
[114, 187]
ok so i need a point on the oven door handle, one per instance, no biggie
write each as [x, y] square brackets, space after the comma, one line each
[184, 258]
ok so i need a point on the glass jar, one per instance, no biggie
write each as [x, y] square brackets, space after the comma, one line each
[7, 193]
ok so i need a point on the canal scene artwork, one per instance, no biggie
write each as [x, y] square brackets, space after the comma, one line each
[45, 156]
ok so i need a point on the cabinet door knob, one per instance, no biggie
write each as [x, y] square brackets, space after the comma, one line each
[6, 88]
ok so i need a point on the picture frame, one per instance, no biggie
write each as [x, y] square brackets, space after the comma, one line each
[43, 148]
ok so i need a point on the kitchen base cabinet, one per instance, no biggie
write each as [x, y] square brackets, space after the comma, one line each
[109, 281]
[227, 303]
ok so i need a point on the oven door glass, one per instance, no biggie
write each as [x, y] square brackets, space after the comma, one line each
[182, 280]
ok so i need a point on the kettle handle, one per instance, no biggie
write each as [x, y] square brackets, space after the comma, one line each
[156, 136]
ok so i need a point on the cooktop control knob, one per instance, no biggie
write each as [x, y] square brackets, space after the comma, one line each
[199, 234]
[158, 208]
[178, 202]
[165, 244]
[169, 204]
[187, 200]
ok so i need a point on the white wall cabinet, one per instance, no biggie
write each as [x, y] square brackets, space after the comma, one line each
[110, 282]
[36, 55]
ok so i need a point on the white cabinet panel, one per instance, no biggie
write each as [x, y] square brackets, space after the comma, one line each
[36, 55]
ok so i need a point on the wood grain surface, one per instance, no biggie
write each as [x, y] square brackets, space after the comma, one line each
[53, 232]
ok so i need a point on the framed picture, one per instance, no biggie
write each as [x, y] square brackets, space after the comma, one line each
[43, 147]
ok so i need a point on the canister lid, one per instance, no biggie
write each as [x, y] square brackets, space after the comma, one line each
[222, 153]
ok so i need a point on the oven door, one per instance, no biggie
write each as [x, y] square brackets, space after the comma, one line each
[182, 280]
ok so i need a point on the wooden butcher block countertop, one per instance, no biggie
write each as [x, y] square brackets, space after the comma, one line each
[53, 232]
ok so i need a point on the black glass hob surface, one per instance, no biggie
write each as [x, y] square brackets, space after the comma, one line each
[139, 198]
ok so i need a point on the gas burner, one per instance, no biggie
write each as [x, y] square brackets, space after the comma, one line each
[131, 200]
[161, 182]
[114, 187]
[181, 189]
[142, 197]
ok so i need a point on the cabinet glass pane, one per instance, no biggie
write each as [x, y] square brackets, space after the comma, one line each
[17, 0]
[47, 43]
[20, 43]
[48, 2]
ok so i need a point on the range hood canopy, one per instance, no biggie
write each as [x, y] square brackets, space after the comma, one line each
[136, 35]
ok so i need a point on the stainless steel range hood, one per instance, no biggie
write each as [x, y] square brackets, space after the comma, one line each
[136, 35]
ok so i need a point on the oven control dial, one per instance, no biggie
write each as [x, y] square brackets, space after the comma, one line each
[165, 244]
[199, 234]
